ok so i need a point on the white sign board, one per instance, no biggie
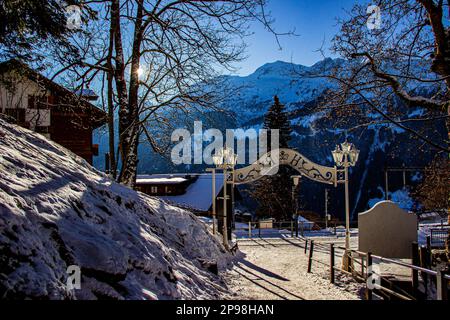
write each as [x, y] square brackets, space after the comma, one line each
[387, 230]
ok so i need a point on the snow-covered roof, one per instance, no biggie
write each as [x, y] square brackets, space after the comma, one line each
[304, 220]
[198, 195]
[87, 94]
[160, 180]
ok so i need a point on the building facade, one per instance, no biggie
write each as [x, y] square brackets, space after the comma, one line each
[33, 101]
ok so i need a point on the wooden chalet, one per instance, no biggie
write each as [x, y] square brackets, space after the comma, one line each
[190, 191]
[37, 103]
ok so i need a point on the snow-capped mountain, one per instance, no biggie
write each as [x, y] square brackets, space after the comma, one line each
[254, 94]
[315, 134]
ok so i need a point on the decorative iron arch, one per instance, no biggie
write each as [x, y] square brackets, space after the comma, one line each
[266, 165]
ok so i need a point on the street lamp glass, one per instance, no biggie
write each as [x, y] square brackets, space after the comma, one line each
[225, 158]
[353, 155]
[346, 147]
[335, 156]
[218, 160]
[230, 158]
[338, 156]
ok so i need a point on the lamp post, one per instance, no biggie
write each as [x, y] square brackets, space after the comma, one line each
[213, 194]
[295, 201]
[225, 160]
[346, 155]
[326, 209]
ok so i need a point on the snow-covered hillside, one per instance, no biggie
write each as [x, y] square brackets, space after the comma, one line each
[254, 93]
[295, 85]
[56, 211]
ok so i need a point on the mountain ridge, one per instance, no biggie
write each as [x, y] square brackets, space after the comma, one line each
[315, 132]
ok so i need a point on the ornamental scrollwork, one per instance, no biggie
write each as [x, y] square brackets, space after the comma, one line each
[303, 165]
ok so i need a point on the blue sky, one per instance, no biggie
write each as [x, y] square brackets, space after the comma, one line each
[313, 21]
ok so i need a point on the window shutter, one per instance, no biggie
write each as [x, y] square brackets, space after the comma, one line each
[31, 102]
[51, 100]
[21, 115]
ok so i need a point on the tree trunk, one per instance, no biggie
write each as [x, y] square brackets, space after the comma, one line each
[110, 93]
[130, 125]
[127, 141]
[441, 60]
[111, 133]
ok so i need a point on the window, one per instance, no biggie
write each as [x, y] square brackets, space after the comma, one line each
[154, 190]
[16, 113]
[42, 129]
[168, 190]
[95, 149]
[31, 102]
[40, 102]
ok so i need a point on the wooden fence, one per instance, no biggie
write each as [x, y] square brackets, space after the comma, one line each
[438, 236]
[289, 226]
[366, 273]
[296, 229]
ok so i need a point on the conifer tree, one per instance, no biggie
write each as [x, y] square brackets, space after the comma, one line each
[277, 118]
[273, 193]
[29, 29]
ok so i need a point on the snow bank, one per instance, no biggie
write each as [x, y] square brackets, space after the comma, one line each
[401, 197]
[57, 211]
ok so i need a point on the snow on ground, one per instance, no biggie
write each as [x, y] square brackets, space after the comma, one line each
[57, 211]
[276, 269]
[401, 197]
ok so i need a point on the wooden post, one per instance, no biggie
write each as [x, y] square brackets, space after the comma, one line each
[423, 264]
[362, 266]
[311, 252]
[303, 229]
[441, 286]
[404, 178]
[415, 262]
[214, 204]
[107, 166]
[225, 209]
[369, 274]
[386, 182]
[292, 229]
[259, 229]
[429, 252]
[306, 246]
[332, 263]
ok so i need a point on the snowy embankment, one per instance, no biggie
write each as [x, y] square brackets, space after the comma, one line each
[57, 211]
[276, 269]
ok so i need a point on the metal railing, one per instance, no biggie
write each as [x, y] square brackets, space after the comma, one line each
[366, 271]
[262, 228]
[439, 236]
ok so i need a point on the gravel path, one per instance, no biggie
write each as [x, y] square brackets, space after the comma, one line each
[276, 269]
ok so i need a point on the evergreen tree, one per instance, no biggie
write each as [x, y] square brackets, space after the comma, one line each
[277, 118]
[29, 29]
[274, 193]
